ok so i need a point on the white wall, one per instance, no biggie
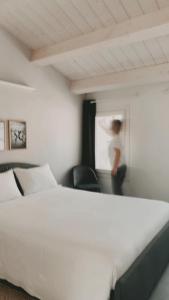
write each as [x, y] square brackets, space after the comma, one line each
[52, 113]
[149, 137]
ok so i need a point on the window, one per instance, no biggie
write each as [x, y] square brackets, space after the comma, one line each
[103, 138]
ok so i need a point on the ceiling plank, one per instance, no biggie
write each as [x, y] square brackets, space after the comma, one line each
[134, 30]
[146, 75]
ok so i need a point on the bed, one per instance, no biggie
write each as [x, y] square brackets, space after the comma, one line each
[74, 245]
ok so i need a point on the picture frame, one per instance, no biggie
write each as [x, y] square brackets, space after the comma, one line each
[2, 135]
[17, 134]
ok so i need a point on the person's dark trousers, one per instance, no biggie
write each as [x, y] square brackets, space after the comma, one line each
[118, 179]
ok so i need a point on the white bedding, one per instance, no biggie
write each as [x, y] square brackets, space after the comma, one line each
[65, 244]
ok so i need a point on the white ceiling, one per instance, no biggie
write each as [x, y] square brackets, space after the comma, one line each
[42, 23]
[104, 61]
[39, 23]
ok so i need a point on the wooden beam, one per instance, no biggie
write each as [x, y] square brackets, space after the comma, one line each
[142, 76]
[134, 30]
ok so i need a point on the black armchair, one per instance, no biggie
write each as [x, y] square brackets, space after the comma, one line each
[84, 178]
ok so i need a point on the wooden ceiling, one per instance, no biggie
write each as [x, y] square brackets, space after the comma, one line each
[91, 41]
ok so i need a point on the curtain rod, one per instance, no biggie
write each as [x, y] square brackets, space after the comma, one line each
[91, 101]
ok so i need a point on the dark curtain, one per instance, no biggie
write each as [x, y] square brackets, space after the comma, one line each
[88, 133]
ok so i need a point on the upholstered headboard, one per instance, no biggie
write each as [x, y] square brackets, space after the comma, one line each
[8, 166]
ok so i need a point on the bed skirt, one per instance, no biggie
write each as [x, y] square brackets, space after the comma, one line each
[142, 277]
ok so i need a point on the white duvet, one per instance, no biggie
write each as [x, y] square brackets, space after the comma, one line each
[65, 244]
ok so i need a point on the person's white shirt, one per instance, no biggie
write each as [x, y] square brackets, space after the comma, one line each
[116, 143]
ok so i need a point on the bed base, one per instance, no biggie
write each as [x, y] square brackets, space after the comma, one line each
[141, 278]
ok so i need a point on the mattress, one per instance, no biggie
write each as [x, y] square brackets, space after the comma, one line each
[67, 244]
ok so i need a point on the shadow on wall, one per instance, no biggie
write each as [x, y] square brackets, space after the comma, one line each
[67, 179]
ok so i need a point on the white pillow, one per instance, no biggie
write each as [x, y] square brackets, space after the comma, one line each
[36, 179]
[8, 187]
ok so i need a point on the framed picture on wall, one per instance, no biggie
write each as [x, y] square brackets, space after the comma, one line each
[17, 135]
[2, 135]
